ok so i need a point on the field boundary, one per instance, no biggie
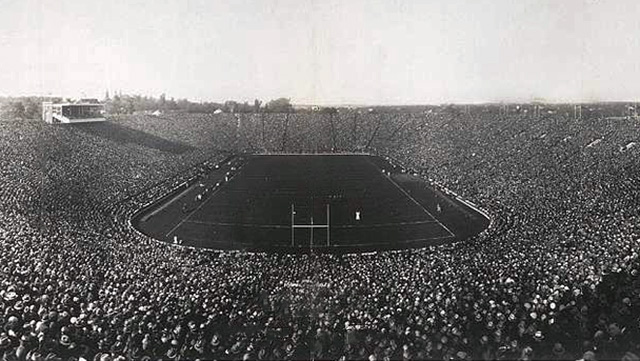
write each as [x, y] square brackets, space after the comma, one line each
[288, 226]
[451, 234]
[312, 154]
[201, 204]
[220, 244]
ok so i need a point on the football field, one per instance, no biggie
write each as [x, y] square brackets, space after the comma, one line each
[309, 202]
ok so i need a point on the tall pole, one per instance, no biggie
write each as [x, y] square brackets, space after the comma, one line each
[264, 146]
[311, 240]
[580, 111]
[238, 126]
[328, 224]
[293, 212]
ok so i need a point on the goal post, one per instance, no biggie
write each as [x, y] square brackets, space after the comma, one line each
[311, 226]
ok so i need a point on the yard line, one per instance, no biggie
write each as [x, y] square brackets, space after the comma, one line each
[376, 225]
[164, 206]
[370, 244]
[281, 226]
[413, 199]
[382, 245]
[241, 224]
[201, 204]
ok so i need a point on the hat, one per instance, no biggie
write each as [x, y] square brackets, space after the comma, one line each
[10, 296]
[538, 336]
[614, 329]
[558, 349]
[215, 341]
[172, 353]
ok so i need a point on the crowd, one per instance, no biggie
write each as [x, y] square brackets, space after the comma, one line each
[554, 277]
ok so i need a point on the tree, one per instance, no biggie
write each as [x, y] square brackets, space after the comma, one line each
[329, 110]
[280, 105]
[163, 101]
[171, 104]
[17, 110]
[230, 106]
[32, 109]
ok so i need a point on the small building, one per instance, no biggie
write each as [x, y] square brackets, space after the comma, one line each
[81, 112]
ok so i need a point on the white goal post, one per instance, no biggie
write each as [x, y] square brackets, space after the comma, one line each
[311, 226]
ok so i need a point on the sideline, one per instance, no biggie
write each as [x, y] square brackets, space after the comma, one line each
[203, 203]
[413, 200]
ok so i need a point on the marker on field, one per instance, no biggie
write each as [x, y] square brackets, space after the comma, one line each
[357, 215]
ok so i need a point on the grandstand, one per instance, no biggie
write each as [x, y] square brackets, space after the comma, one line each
[555, 275]
[83, 111]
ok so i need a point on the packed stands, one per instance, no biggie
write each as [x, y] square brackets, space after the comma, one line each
[554, 277]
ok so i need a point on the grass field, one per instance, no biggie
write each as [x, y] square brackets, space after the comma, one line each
[264, 195]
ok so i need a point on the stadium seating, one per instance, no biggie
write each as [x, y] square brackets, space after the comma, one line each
[554, 277]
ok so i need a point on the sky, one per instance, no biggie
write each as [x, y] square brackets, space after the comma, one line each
[324, 52]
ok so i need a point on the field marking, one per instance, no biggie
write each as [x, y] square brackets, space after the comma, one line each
[386, 244]
[252, 245]
[432, 220]
[346, 154]
[201, 204]
[280, 226]
[377, 225]
[412, 199]
[367, 244]
[241, 224]
[164, 206]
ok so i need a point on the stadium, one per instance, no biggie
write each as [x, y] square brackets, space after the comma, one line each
[544, 260]
[319, 180]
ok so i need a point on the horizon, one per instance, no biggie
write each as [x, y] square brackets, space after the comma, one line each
[325, 53]
[347, 105]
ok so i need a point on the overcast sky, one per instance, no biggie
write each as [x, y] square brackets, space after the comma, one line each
[326, 52]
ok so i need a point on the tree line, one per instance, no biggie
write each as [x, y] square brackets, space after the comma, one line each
[128, 104]
[30, 107]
